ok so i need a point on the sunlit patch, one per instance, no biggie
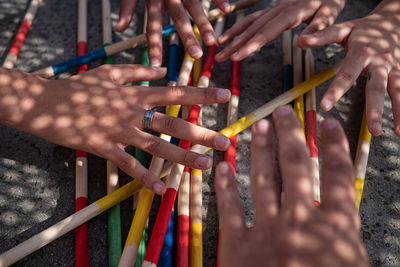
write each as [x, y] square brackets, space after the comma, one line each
[41, 122]
[27, 104]
[90, 79]
[19, 84]
[80, 97]
[63, 122]
[62, 108]
[345, 250]
[9, 100]
[17, 191]
[8, 162]
[36, 89]
[3, 201]
[40, 216]
[99, 101]
[5, 79]
[107, 85]
[85, 121]
[26, 205]
[108, 121]
[9, 218]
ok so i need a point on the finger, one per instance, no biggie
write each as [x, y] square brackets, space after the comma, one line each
[375, 96]
[223, 5]
[324, 17]
[333, 34]
[394, 93]
[240, 26]
[200, 19]
[230, 209]
[154, 31]
[242, 39]
[121, 74]
[126, 11]
[354, 63]
[264, 184]
[184, 28]
[188, 131]
[178, 95]
[338, 195]
[267, 33]
[133, 168]
[294, 161]
[163, 149]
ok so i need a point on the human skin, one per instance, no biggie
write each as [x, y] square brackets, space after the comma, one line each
[96, 113]
[181, 20]
[372, 44]
[295, 232]
[373, 49]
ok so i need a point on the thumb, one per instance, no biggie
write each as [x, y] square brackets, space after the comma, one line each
[312, 37]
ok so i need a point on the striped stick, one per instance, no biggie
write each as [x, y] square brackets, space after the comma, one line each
[311, 127]
[182, 246]
[233, 113]
[287, 68]
[127, 44]
[81, 177]
[298, 78]
[167, 249]
[22, 32]
[361, 160]
[114, 214]
[265, 110]
[167, 203]
[146, 199]
[52, 233]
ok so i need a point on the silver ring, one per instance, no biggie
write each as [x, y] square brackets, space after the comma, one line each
[148, 119]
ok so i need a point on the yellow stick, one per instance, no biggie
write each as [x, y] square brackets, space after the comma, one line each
[298, 78]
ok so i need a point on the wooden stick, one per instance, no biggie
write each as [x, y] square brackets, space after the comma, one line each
[287, 67]
[52, 233]
[233, 114]
[146, 199]
[114, 214]
[22, 32]
[311, 127]
[124, 45]
[160, 227]
[166, 254]
[141, 155]
[81, 177]
[182, 246]
[269, 107]
[361, 160]
[298, 78]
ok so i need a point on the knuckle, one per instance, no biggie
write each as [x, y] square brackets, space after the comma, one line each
[204, 137]
[340, 166]
[177, 91]
[345, 77]
[153, 146]
[295, 154]
[145, 178]
[379, 89]
[126, 163]
[170, 124]
[209, 93]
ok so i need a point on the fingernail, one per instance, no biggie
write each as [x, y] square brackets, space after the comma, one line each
[155, 62]
[226, 7]
[326, 104]
[262, 127]
[159, 188]
[223, 168]
[203, 162]
[330, 124]
[222, 142]
[377, 126]
[195, 51]
[223, 95]
[209, 38]
[283, 111]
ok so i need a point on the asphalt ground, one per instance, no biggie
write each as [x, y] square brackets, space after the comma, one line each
[37, 177]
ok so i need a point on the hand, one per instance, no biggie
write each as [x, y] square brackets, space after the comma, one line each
[181, 20]
[373, 47]
[261, 27]
[93, 112]
[296, 233]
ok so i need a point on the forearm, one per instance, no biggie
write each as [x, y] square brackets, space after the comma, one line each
[19, 94]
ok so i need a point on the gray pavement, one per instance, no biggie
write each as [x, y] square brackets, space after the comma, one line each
[37, 177]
